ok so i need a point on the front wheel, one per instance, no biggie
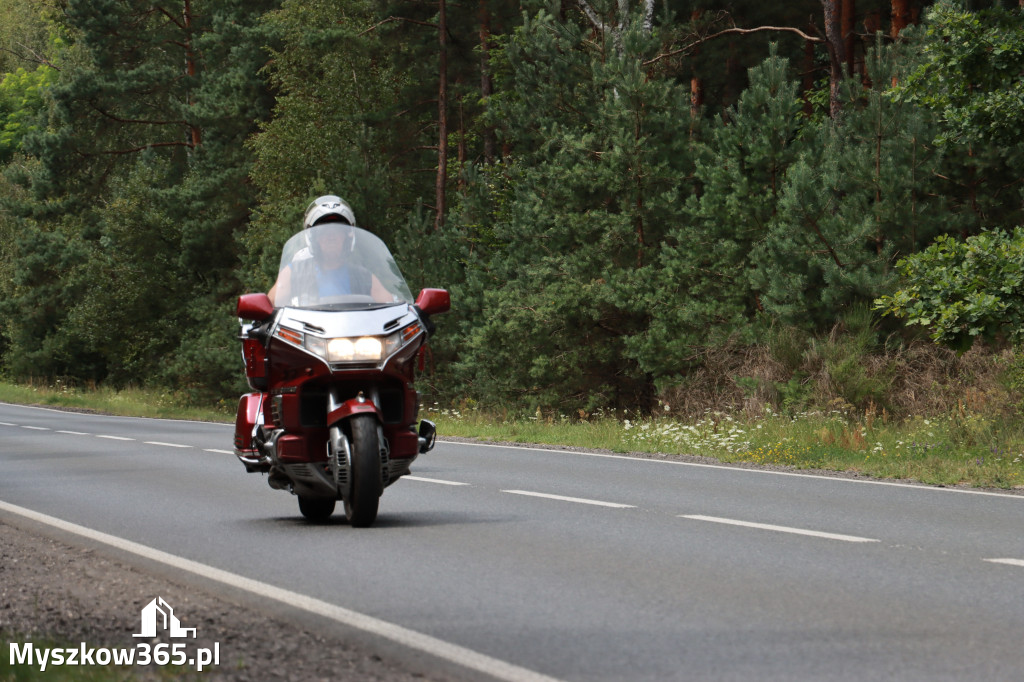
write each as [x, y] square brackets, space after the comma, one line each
[364, 473]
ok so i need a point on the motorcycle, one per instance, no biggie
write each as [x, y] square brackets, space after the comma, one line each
[333, 411]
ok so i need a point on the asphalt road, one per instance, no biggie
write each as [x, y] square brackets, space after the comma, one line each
[576, 566]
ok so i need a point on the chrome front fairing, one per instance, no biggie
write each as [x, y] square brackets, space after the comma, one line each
[296, 327]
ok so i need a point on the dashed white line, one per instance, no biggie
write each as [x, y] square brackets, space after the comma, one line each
[74, 433]
[219, 452]
[1008, 562]
[433, 480]
[35, 428]
[779, 529]
[579, 500]
[167, 445]
[7, 424]
[115, 437]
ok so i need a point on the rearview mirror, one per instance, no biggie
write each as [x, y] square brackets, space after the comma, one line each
[434, 301]
[255, 307]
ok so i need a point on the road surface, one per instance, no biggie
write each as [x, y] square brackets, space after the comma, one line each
[573, 566]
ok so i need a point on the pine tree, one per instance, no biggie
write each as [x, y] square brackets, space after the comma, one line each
[590, 190]
[142, 178]
[861, 194]
[701, 292]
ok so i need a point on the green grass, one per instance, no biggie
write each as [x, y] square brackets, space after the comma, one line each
[962, 448]
[129, 402]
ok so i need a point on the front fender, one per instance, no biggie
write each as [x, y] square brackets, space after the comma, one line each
[351, 407]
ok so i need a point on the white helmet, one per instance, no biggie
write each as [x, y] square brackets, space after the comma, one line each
[328, 208]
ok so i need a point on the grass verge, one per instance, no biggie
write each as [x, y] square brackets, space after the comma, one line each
[129, 402]
[962, 448]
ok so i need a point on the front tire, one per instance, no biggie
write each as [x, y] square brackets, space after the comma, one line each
[317, 509]
[364, 474]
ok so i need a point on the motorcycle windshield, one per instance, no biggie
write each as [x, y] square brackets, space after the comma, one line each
[339, 267]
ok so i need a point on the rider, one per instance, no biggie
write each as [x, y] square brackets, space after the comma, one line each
[326, 264]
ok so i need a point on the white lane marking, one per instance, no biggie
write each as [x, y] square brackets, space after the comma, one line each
[1008, 562]
[453, 653]
[74, 433]
[580, 500]
[780, 529]
[839, 479]
[220, 452]
[736, 469]
[36, 428]
[167, 445]
[115, 437]
[432, 480]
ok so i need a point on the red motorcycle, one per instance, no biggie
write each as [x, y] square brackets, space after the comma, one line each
[333, 415]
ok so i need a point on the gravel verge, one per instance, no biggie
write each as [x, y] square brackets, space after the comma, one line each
[71, 595]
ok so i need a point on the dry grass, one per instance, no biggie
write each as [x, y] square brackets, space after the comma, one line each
[892, 382]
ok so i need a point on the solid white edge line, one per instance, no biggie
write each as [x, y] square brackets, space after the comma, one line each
[1008, 562]
[453, 653]
[96, 415]
[723, 467]
[580, 500]
[432, 480]
[442, 439]
[780, 529]
[167, 445]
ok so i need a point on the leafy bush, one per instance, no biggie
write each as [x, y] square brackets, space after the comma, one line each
[964, 290]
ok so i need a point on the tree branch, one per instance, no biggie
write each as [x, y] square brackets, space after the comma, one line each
[592, 15]
[390, 19]
[142, 148]
[828, 247]
[139, 121]
[699, 41]
[172, 18]
[35, 56]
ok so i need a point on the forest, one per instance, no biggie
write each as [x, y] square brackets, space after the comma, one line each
[625, 198]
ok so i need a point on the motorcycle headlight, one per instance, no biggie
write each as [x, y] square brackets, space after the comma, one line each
[363, 349]
[355, 349]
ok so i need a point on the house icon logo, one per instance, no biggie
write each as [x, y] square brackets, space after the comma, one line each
[158, 615]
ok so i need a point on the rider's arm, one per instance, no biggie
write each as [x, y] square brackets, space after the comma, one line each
[379, 291]
[281, 291]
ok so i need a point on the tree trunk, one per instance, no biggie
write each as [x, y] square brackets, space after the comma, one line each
[732, 67]
[849, 30]
[696, 96]
[900, 16]
[834, 44]
[808, 74]
[872, 25]
[486, 83]
[696, 83]
[194, 134]
[442, 116]
[461, 150]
